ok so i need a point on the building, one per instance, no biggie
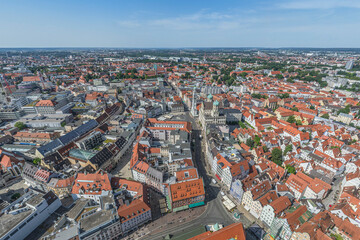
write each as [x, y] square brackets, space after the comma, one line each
[35, 137]
[210, 113]
[274, 209]
[46, 120]
[9, 114]
[345, 118]
[25, 214]
[61, 186]
[184, 195]
[90, 141]
[91, 186]
[349, 65]
[283, 227]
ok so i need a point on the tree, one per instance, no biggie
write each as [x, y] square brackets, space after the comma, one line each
[312, 107]
[250, 142]
[20, 125]
[326, 115]
[288, 148]
[276, 156]
[279, 76]
[295, 109]
[290, 169]
[345, 110]
[265, 148]
[15, 196]
[36, 161]
[291, 119]
[257, 140]
[284, 95]
[298, 122]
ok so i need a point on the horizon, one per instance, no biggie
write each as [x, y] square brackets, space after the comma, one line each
[187, 24]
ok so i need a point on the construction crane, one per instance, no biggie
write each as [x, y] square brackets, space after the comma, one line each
[6, 82]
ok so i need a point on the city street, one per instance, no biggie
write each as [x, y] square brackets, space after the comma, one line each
[333, 196]
[215, 212]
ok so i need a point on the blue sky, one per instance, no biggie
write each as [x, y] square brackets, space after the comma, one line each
[157, 23]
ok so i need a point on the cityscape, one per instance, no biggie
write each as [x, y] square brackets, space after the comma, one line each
[184, 123]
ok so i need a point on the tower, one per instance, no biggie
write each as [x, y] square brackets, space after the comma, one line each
[215, 110]
[193, 104]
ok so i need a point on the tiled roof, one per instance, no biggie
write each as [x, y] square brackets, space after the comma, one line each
[233, 231]
[189, 189]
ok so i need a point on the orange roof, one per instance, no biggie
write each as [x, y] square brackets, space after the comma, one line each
[135, 208]
[186, 174]
[45, 103]
[92, 183]
[33, 135]
[233, 231]
[188, 189]
[31, 79]
[280, 204]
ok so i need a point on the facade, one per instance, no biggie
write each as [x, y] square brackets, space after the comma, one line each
[273, 209]
[236, 190]
[210, 113]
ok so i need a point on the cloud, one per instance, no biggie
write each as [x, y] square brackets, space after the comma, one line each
[318, 4]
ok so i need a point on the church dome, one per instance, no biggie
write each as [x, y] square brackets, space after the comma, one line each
[210, 96]
[216, 103]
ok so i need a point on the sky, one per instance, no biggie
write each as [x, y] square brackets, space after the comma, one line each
[180, 24]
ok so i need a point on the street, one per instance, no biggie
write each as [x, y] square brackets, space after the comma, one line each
[215, 212]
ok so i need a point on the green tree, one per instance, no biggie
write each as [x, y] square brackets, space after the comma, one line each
[312, 107]
[288, 148]
[20, 125]
[298, 122]
[345, 110]
[295, 109]
[290, 169]
[279, 76]
[326, 115]
[250, 142]
[257, 140]
[291, 119]
[276, 156]
[284, 95]
[265, 148]
[36, 161]
[15, 196]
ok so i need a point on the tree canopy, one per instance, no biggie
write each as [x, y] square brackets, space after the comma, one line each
[276, 156]
[20, 125]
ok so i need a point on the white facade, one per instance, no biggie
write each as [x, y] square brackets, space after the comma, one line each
[138, 220]
[267, 215]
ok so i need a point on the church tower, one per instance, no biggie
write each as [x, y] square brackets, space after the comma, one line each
[193, 104]
[215, 110]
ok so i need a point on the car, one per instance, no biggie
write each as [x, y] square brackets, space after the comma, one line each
[213, 181]
[222, 193]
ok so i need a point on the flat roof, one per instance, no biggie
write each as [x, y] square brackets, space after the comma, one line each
[95, 220]
[8, 221]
